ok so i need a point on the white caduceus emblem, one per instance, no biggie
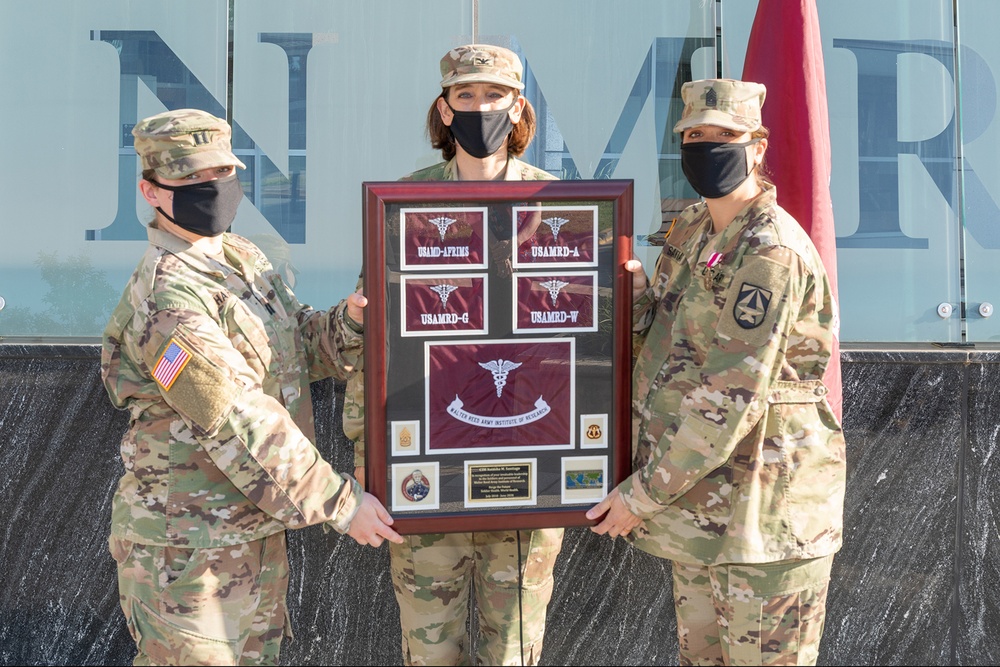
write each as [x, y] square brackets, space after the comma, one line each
[442, 223]
[554, 287]
[499, 369]
[444, 291]
[555, 224]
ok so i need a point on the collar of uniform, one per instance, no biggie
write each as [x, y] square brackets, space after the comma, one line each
[512, 172]
[767, 196]
[742, 225]
[182, 249]
[747, 218]
[513, 168]
[245, 264]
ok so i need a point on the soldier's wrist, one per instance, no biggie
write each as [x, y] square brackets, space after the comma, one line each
[352, 324]
[342, 524]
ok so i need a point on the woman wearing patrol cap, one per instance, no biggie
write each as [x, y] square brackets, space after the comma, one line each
[212, 354]
[740, 462]
[481, 123]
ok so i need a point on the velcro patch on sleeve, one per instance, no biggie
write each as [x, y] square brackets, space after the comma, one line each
[203, 393]
[754, 300]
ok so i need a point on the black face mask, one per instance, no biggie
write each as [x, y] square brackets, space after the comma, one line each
[208, 208]
[481, 133]
[715, 169]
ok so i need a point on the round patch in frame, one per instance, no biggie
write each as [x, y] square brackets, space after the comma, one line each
[415, 486]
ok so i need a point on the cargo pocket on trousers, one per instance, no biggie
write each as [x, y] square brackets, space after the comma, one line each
[168, 644]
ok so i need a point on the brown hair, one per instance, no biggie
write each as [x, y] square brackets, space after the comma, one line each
[761, 173]
[149, 175]
[441, 137]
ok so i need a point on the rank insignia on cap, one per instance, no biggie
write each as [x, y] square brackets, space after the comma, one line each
[170, 364]
[711, 98]
[751, 306]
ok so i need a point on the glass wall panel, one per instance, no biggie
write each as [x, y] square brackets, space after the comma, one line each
[339, 90]
[979, 68]
[76, 76]
[890, 87]
[605, 79]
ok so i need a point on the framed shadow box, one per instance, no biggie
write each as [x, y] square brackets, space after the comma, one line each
[497, 350]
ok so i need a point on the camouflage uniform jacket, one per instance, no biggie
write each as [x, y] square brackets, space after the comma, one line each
[738, 456]
[220, 452]
[354, 401]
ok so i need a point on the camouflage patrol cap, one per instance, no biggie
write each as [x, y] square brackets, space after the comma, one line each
[481, 63]
[181, 142]
[723, 102]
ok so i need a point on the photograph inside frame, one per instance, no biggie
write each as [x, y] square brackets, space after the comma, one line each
[500, 362]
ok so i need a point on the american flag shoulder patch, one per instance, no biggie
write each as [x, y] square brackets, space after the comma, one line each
[170, 364]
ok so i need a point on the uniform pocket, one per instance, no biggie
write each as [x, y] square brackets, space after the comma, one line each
[753, 301]
[205, 393]
[815, 474]
[168, 644]
[760, 486]
[175, 562]
[248, 334]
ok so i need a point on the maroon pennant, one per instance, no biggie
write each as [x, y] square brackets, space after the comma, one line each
[443, 237]
[555, 301]
[447, 303]
[500, 396]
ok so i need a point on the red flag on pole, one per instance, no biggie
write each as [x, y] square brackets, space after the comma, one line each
[785, 53]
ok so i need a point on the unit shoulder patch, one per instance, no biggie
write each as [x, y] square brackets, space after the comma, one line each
[753, 300]
[751, 306]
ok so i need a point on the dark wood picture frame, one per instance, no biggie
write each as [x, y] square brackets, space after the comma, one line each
[516, 487]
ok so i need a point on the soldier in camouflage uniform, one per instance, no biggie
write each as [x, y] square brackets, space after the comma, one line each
[212, 355]
[481, 123]
[740, 462]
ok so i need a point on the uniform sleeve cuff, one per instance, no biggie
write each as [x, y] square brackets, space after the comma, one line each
[636, 499]
[352, 325]
[352, 331]
[644, 300]
[641, 308]
[349, 505]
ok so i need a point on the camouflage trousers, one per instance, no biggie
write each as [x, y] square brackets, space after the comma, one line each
[760, 614]
[432, 576]
[221, 606]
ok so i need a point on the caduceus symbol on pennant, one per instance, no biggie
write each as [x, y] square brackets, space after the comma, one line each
[555, 224]
[444, 291]
[442, 223]
[499, 369]
[554, 286]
